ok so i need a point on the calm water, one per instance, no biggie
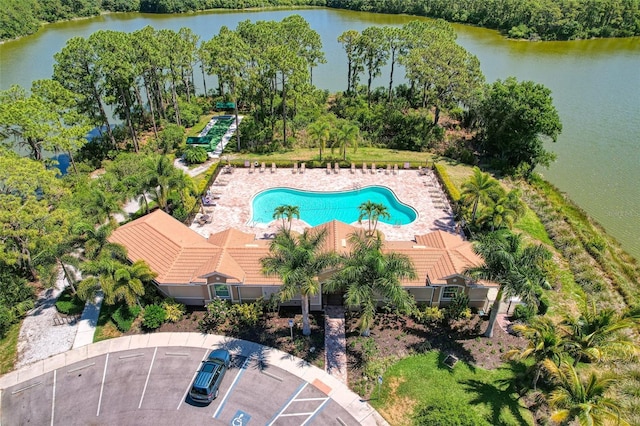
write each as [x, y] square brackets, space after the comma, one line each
[595, 84]
[321, 207]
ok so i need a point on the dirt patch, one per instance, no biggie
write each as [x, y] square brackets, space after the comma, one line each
[399, 408]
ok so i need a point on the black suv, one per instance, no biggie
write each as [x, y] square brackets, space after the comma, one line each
[207, 383]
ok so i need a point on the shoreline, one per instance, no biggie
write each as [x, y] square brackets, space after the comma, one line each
[301, 7]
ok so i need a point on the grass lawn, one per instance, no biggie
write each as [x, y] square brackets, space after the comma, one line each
[367, 154]
[9, 348]
[530, 224]
[480, 397]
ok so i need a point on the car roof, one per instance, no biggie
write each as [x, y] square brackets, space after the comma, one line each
[203, 380]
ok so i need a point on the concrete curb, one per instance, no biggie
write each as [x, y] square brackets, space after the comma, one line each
[339, 392]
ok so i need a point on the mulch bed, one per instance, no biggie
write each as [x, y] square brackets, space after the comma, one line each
[272, 330]
[399, 336]
[394, 336]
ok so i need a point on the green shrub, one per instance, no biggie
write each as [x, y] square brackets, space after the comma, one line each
[219, 310]
[195, 155]
[69, 304]
[458, 308]
[6, 319]
[449, 187]
[429, 315]
[248, 313]
[523, 313]
[175, 310]
[124, 316]
[153, 316]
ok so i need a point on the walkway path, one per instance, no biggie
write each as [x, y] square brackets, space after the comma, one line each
[39, 338]
[335, 343]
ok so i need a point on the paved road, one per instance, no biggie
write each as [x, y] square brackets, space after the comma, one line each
[130, 381]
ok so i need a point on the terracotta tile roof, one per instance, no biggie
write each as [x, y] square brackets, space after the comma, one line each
[231, 237]
[171, 249]
[224, 265]
[248, 259]
[337, 235]
[181, 256]
[440, 239]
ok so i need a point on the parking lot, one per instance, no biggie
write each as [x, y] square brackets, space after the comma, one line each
[150, 386]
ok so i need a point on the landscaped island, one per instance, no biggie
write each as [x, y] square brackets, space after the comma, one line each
[503, 234]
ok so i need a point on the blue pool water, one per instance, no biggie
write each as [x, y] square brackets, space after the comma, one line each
[320, 207]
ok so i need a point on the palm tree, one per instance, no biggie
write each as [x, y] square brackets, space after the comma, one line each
[518, 269]
[101, 205]
[290, 212]
[279, 213]
[545, 342]
[367, 273]
[96, 241]
[478, 189]
[346, 136]
[502, 210]
[595, 335]
[298, 261]
[161, 175]
[372, 212]
[128, 283]
[118, 281]
[319, 132]
[583, 400]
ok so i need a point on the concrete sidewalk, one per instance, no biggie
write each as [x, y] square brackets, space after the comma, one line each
[335, 343]
[333, 387]
[88, 322]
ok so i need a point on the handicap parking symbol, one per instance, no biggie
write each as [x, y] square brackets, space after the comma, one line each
[240, 418]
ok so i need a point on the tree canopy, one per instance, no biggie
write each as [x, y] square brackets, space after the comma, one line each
[517, 118]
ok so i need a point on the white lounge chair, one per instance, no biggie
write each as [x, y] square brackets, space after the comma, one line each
[395, 169]
[353, 168]
[386, 172]
[303, 167]
[373, 168]
[328, 168]
[295, 168]
[273, 167]
[252, 168]
[364, 167]
[337, 167]
[262, 168]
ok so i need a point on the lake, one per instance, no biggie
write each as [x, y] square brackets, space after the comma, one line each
[595, 85]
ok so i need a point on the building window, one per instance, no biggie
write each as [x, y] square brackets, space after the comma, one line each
[222, 291]
[450, 292]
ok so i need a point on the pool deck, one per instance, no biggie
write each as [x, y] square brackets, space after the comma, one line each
[236, 191]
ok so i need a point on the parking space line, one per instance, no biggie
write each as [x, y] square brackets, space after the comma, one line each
[184, 396]
[130, 356]
[53, 398]
[315, 412]
[300, 389]
[243, 368]
[312, 399]
[297, 414]
[33, 385]
[73, 370]
[104, 375]
[148, 375]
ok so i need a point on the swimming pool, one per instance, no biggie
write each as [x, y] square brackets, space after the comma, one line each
[320, 207]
